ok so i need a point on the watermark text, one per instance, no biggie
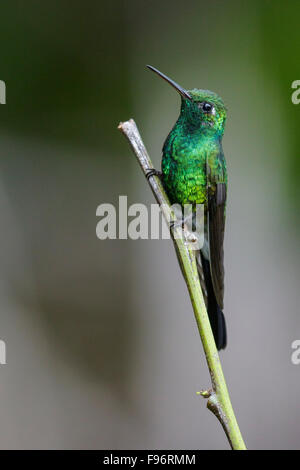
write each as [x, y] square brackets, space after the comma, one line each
[296, 94]
[138, 222]
[295, 357]
[2, 352]
[2, 92]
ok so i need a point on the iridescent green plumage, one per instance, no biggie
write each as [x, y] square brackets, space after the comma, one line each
[194, 172]
[192, 153]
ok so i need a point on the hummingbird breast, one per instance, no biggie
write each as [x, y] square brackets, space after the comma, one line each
[191, 162]
[184, 171]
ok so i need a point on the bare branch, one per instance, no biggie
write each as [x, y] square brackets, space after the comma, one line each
[218, 400]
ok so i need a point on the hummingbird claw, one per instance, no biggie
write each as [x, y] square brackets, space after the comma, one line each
[189, 237]
[153, 172]
[174, 224]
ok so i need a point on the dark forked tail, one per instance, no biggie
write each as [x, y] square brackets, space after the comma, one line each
[215, 314]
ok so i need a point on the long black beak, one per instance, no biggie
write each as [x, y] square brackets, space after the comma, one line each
[175, 85]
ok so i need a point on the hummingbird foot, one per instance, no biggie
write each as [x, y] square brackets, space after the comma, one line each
[189, 237]
[153, 172]
[176, 223]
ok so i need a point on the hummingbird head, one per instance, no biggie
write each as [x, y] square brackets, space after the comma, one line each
[200, 109]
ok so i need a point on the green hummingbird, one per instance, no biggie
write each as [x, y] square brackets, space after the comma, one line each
[194, 172]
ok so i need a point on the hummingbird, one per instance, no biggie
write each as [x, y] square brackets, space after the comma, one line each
[193, 171]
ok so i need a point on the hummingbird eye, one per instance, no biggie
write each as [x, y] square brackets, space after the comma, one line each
[207, 107]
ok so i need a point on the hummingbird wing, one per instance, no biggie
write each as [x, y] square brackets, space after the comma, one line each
[216, 228]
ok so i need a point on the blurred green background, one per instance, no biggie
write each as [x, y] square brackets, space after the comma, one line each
[102, 348]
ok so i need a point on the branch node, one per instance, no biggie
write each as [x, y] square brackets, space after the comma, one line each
[205, 393]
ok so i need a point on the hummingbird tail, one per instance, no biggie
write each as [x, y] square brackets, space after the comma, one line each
[215, 314]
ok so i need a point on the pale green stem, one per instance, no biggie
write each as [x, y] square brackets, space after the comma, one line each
[218, 398]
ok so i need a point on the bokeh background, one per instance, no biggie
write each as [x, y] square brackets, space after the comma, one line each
[102, 347]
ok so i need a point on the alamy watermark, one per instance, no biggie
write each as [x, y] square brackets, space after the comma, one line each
[296, 94]
[295, 357]
[137, 222]
[2, 352]
[2, 343]
[2, 92]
